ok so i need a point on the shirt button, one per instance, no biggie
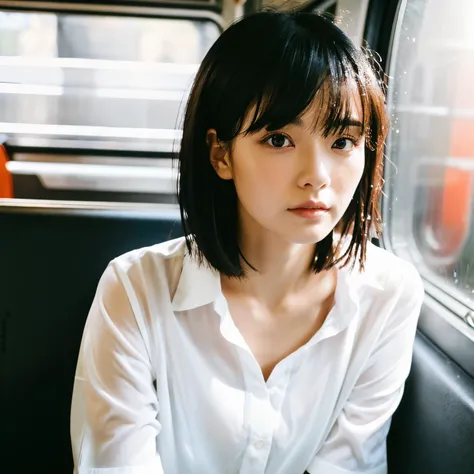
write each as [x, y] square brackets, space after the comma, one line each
[275, 392]
[260, 444]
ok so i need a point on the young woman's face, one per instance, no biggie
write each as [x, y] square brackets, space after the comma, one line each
[294, 182]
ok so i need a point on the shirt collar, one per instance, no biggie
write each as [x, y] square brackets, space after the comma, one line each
[198, 285]
[365, 279]
[352, 286]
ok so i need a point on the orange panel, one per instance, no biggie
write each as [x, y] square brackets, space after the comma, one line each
[455, 212]
[6, 181]
[457, 192]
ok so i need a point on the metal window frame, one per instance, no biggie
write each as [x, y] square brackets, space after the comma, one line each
[110, 209]
[318, 5]
[378, 30]
[177, 10]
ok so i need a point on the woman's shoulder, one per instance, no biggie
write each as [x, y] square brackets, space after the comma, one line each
[168, 252]
[155, 269]
[391, 273]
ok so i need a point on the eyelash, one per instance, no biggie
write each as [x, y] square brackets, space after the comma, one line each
[267, 138]
[355, 141]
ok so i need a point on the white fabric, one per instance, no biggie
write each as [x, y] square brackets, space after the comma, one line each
[166, 383]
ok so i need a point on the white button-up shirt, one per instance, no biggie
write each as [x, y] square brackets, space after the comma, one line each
[166, 383]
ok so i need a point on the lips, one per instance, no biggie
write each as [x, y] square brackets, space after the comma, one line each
[314, 205]
[310, 210]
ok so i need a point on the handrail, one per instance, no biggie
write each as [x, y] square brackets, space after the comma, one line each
[90, 131]
[105, 64]
[110, 209]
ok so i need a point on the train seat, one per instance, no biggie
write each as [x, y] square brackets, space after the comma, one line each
[432, 431]
[50, 263]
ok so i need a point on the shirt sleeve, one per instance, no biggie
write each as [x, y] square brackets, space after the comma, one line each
[115, 407]
[357, 441]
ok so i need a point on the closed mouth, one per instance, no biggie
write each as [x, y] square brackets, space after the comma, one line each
[319, 206]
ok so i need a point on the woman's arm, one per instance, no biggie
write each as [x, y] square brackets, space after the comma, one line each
[114, 411]
[357, 442]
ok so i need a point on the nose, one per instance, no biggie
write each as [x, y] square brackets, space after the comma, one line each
[314, 169]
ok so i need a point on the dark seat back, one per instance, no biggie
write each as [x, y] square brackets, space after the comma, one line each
[433, 430]
[50, 264]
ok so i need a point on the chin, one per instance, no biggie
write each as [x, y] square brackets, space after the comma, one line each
[310, 237]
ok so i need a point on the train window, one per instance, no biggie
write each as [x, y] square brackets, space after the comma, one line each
[92, 104]
[430, 151]
[98, 78]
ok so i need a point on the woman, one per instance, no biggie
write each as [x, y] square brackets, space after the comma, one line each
[274, 338]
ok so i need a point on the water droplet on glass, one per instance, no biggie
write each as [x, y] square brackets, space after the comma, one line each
[404, 72]
[456, 281]
[369, 218]
[414, 40]
[455, 274]
[397, 131]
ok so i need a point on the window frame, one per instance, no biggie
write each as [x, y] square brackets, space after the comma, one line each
[194, 11]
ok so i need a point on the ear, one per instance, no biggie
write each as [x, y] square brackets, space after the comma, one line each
[218, 156]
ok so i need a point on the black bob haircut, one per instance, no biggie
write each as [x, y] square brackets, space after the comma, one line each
[277, 63]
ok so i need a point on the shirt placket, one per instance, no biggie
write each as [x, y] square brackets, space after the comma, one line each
[263, 408]
[261, 422]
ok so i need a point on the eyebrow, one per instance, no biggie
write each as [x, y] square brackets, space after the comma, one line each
[345, 123]
[351, 123]
[297, 121]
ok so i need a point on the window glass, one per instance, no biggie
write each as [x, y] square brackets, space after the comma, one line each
[430, 153]
[102, 78]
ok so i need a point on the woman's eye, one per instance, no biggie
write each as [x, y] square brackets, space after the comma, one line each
[345, 144]
[278, 140]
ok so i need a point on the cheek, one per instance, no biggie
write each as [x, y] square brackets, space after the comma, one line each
[258, 179]
[347, 177]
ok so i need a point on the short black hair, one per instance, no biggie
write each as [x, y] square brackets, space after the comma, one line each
[276, 62]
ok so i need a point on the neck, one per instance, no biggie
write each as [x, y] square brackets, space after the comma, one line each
[281, 268]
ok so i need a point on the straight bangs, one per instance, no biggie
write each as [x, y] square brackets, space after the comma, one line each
[333, 77]
[265, 72]
[340, 104]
